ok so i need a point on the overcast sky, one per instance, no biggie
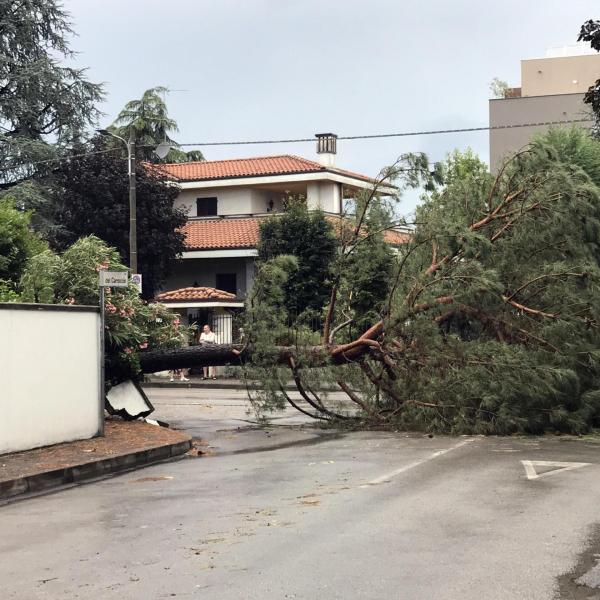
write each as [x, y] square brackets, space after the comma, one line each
[268, 69]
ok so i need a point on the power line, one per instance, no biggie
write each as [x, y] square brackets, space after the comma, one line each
[312, 139]
[391, 135]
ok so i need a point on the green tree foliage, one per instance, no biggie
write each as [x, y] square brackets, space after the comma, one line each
[90, 196]
[366, 272]
[492, 322]
[132, 325]
[590, 32]
[149, 122]
[309, 237]
[17, 244]
[44, 105]
[517, 261]
[498, 88]
[463, 166]
[265, 326]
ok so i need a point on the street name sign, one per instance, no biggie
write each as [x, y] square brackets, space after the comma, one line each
[113, 279]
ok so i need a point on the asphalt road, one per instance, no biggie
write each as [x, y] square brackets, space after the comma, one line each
[293, 512]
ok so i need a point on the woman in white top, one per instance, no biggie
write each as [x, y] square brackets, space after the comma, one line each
[208, 337]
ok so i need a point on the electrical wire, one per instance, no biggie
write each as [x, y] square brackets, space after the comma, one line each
[312, 139]
[392, 135]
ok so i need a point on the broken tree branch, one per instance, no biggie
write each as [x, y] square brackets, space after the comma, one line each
[528, 310]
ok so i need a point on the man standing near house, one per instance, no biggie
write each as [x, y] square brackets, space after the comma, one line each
[208, 337]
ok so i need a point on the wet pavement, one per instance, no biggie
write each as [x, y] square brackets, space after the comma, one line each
[290, 511]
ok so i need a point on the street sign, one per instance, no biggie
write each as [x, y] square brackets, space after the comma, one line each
[136, 279]
[113, 279]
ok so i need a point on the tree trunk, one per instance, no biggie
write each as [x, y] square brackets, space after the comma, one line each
[192, 356]
[153, 361]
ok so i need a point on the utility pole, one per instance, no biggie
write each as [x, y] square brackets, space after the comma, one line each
[133, 261]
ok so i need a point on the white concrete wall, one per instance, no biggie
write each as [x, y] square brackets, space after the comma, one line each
[49, 375]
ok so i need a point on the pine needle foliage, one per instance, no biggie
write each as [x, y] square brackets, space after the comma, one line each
[492, 318]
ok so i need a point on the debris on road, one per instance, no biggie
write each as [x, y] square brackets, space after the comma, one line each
[128, 400]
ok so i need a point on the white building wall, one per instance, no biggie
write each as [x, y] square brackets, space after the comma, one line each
[203, 272]
[326, 195]
[231, 201]
[50, 366]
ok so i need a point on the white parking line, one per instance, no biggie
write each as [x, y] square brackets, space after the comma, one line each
[558, 467]
[389, 476]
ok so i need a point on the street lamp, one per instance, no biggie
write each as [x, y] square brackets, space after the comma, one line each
[133, 263]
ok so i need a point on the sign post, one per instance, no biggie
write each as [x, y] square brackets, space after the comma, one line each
[107, 279]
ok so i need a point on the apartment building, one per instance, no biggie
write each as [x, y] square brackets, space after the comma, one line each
[552, 89]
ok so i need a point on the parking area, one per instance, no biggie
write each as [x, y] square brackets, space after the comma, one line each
[289, 511]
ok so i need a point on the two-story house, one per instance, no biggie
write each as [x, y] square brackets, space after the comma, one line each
[225, 201]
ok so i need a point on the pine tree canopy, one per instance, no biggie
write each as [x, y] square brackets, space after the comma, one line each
[492, 312]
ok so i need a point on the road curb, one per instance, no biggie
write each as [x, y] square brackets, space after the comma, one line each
[206, 385]
[48, 480]
[221, 385]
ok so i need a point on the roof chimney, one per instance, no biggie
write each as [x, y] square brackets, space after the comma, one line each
[326, 148]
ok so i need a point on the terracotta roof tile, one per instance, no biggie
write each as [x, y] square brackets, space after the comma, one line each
[396, 238]
[196, 294]
[209, 234]
[285, 164]
[212, 234]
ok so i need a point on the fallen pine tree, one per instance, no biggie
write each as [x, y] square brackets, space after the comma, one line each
[490, 319]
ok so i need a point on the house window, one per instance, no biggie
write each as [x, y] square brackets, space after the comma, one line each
[206, 207]
[226, 282]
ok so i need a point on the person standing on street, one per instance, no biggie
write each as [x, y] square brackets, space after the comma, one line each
[208, 337]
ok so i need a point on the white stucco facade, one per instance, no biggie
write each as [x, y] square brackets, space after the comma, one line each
[207, 263]
[232, 200]
[324, 195]
[203, 272]
[264, 194]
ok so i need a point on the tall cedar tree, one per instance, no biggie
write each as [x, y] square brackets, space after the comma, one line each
[308, 236]
[44, 104]
[91, 197]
